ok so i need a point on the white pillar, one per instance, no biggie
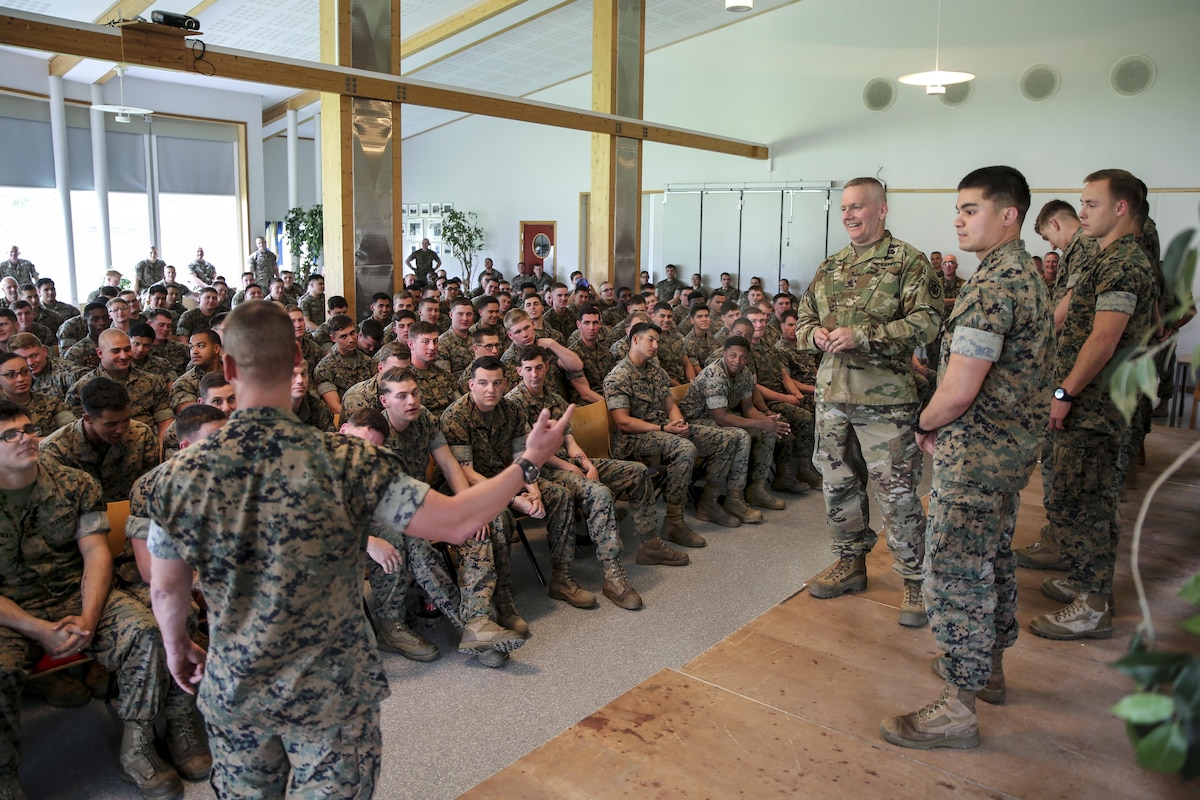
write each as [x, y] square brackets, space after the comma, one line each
[62, 178]
[293, 117]
[100, 173]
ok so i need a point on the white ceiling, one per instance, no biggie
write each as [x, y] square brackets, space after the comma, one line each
[537, 44]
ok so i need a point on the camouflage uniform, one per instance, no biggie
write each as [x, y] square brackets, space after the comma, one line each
[23, 271]
[437, 387]
[116, 468]
[643, 391]
[177, 354]
[769, 363]
[63, 311]
[890, 297]
[556, 378]
[670, 355]
[147, 272]
[82, 354]
[982, 461]
[48, 318]
[511, 378]
[265, 266]
[542, 283]
[667, 287]
[311, 352]
[156, 366]
[56, 379]
[489, 445]
[499, 329]
[41, 569]
[562, 321]
[313, 306]
[44, 334]
[455, 351]
[186, 388]
[204, 272]
[320, 335]
[715, 388]
[292, 661]
[193, 321]
[315, 413]
[519, 282]
[597, 361]
[336, 372]
[1082, 508]
[364, 394]
[697, 347]
[48, 412]
[613, 317]
[147, 394]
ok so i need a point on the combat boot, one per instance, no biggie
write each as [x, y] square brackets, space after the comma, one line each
[617, 587]
[912, 606]
[508, 617]
[139, 763]
[757, 495]
[785, 478]
[563, 587]
[492, 658]
[189, 752]
[482, 634]
[653, 550]
[810, 474]
[60, 690]
[1064, 590]
[996, 692]
[949, 721]
[709, 510]
[1043, 554]
[735, 504]
[396, 637]
[676, 530]
[847, 574]
[1087, 617]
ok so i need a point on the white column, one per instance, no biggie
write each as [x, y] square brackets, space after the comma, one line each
[100, 173]
[62, 178]
[293, 117]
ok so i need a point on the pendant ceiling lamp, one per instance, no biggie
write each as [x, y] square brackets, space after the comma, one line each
[122, 111]
[739, 5]
[936, 80]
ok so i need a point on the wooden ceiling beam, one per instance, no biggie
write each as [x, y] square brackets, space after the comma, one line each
[455, 25]
[151, 46]
[119, 10]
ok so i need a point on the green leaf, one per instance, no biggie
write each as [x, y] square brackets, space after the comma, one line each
[1186, 691]
[1191, 590]
[1122, 388]
[1164, 749]
[1147, 376]
[1175, 264]
[1152, 668]
[1144, 707]
[1191, 625]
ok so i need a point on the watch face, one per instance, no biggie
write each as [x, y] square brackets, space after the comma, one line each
[1060, 394]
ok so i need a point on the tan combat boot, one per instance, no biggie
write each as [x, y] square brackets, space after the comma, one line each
[139, 763]
[676, 530]
[482, 634]
[810, 474]
[653, 550]
[1043, 554]
[847, 574]
[563, 587]
[508, 616]
[996, 692]
[757, 495]
[617, 587]
[735, 504]
[709, 510]
[912, 606]
[185, 743]
[949, 721]
[785, 478]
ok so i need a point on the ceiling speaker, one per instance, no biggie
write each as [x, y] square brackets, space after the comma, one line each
[957, 94]
[879, 94]
[1039, 83]
[1132, 75]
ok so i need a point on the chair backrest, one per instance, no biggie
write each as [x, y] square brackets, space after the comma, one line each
[591, 429]
[679, 392]
[118, 514]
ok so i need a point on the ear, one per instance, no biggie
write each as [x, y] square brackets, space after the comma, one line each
[1010, 216]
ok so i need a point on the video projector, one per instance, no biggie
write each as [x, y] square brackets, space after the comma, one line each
[175, 20]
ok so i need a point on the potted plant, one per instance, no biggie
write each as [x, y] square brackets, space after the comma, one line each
[305, 230]
[465, 238]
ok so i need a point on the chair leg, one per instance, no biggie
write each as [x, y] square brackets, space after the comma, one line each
[537, 570]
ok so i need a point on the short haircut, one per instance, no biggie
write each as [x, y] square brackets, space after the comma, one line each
[316, 276]
[487, 364]
[430, 300]
[514, 316]
[371, 328]
[375, 298]
[663, 307]
[532, 351]
[789, 314]
[461, 301]
[205, 290]
[393, 349]
[781, 296]
[737, 341]
[218, 320]
[9, 356]
[554, 287]
[397, 375]
[10, 410]
[213, 380]
[101, 394]
[643, 327]
[486, 300]
[21, 305]
[369, 418]
[1004, 186]
[45, 282]
[261, 340]
[214, 338]
[697, 308]
[404, 313]
[6, 313]
[421, 328]
[19, 341]
[109, 291]
[480, 333]
[874, 183]
[191, 419]
[587, 308]
[742, 321]
[337, 301]
[338, 323]
[139, 329]
[160, 312]
[1055, 208]
[1122, 185]
[636, 300]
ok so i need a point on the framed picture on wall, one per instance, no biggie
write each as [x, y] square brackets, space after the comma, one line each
[416, 229]
[436, 209]
[433, 228]
[447, 208]
[412, 210]
[424, 209]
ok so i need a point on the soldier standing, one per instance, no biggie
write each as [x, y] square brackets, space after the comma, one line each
[148, 271]
[263, 264]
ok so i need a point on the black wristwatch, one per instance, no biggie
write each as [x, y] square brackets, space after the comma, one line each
[529, 469]
[1062, 394]
[917, 427]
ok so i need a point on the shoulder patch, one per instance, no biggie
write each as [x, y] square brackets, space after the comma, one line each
[935, 289]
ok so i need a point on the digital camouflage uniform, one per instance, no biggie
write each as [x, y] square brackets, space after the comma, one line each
[670, 355]
[23, 271]
[43, 334]
[557, 379]
[455, 351]
[313, 306]
[156, 366]
[499, 331]
[48, 318]
[177, 354]
[697, 347]
[315, 413]
[203, 271]
[542, 282]
[274, 517]
[364, 394]
[715, 388]
[148, 400]
[483, 567]
[982, 461]
[511, 378]
[64, 311]
[488, 443]
[643, 391]
[769, 363]
[438, 389]
[1082, 508]
[41, 568]
[614, 316]
[116, 467]
[149, 272]
[890, 297]
[48, 412]
[265, 266]
[186, 388]
[193, 321]
[81, 355]
[56, 378]
[597, 361]
[562, 321]
[667, 287]
[337, 373]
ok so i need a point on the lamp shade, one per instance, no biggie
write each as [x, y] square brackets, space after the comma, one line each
[739, 5]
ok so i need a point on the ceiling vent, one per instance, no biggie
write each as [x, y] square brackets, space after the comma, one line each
[879, 94]
[957, 94]
[1039, 83]
[1132, 75]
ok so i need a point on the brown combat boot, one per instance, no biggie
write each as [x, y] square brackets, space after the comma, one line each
[563, 587]
[508, 617]
[139, 763]
[810, 474]
[617, 587]
[912, 606]
[1043, 554]
[785, 478]
[654, 550]
[847, 574]
[735, 504]
[709, 510]
[996, 692]
[676, 530]
[757, 495]
[189, 752]
[949, 721]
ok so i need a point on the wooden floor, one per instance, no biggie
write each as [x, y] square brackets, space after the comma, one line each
[790, 705]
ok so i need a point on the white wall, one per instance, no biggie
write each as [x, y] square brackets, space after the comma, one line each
[275, 191]
[793, 78]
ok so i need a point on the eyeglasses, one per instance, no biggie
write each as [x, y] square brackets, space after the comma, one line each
[13, 374]
[15, 434]
[492, 346]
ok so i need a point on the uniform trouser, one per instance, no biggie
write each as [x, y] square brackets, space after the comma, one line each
[1047, 465]
[127, 642]
[1082, 510]
[756, 448]
[1133, 437]
[595, 503]
[893, 462]
[800, 443]
[338, 761]
[482, 567]
[560, 523]
[178, 703]
[677, 455]
[970, 577]
[624, 480]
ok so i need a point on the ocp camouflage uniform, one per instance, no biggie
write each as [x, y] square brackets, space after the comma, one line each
[437, 387]
[488, 444]
[56, 379]
[643, 391]
[313, 306]
[41, 569]
[81, 355]
[265, 266]
[769, 365]
[670, 355]
[148, 272]
[455, 350]
[364, 394]
[891, 299]
[292, 657]
[337, 373]
[597, 361]
[147, 394]
[177, 354]
[48, 412]
[982, 461]
[715, 388]
[116, 468]
[315, 413]
[1082, 507]
[511, 378]
[186, 388]
[193, 321]
[595, 499]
